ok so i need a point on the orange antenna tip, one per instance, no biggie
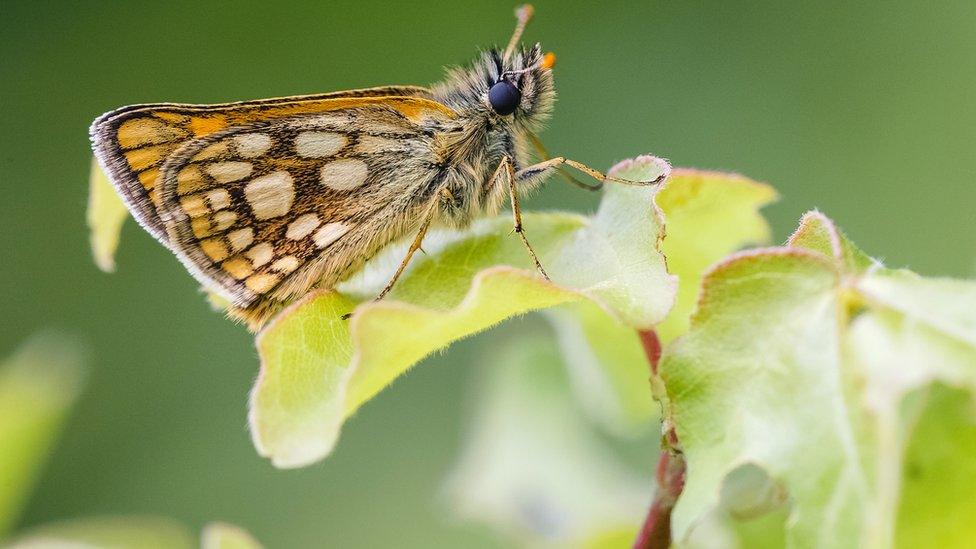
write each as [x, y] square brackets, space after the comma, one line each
[549, 60]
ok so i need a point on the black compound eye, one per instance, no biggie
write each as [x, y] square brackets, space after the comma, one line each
[504, 97]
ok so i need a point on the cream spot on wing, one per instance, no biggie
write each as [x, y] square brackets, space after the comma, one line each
[238, 267]
[302, 227]
[329, 233]
[261, 283]
[194, 206]
[219, 199]
[370, 144]
[241, 238]
[250, 145]
[260, 254]
[286, 264]
[214, 248]
[345, 174]
[270, 195]
[226, 172]
[319, 144]
[224, 219]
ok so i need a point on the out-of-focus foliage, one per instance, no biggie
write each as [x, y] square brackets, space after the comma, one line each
[133, 532]
[38, 385]
[219, 535]
[109, 533]
[532, 469]
[106, 214]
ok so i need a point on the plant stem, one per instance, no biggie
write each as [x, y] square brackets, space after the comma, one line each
[670, 473]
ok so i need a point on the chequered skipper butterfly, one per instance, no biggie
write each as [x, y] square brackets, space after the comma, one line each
[263, 200]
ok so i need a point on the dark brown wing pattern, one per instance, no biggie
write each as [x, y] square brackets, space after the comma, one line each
[260, 212]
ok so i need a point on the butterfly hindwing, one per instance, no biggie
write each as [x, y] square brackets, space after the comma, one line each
[260, 212]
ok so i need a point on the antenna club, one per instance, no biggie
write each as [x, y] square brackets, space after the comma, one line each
[549, 60]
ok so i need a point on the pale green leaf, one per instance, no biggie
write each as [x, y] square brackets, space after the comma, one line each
[106, 213]
[532, 469]
[108, 533]
[901, 357]
[218, 535]
[38, 385]
[817, 232]
[317, 369]
[802, 361]
[756, 380]
[943, 304]
[708, 215]
[937, 504]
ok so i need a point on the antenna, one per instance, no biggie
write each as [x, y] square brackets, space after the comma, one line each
[523, 14]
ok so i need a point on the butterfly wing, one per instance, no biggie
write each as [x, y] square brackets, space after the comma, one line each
[132, 143]
[261, 212]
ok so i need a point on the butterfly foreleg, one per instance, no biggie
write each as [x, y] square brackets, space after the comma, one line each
[544, 169]
[505, 170]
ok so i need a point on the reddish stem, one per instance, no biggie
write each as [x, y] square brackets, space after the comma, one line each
[652, 348]
[670, 474]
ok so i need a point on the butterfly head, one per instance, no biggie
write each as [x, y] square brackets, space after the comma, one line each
[516, 91]
[520, 86]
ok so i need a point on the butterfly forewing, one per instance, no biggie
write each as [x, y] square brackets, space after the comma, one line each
[263, 211]
[133, 142]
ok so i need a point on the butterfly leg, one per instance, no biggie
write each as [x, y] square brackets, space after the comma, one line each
[544, 155]
[542, 169]
[414, 246]
[506, 170]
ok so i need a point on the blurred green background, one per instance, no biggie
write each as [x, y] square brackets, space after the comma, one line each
[865, 111]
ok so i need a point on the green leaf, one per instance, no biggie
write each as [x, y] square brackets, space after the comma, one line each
[531, 469]
[708, 215]
[109, 533]
[937, 505]
[802, 361]
[817, 232]
[218, 535]
[106, 213]
[943, 304]
[750, 365]
[38, 385]
[317, 369]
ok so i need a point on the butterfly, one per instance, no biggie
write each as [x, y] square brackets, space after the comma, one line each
[264, 200]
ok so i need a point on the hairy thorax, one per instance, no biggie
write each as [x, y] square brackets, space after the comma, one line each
[470, 186]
